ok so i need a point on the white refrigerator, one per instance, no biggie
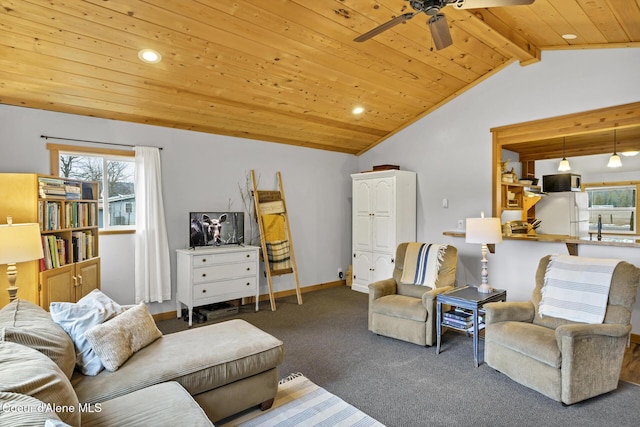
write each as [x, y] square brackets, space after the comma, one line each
[564, 213]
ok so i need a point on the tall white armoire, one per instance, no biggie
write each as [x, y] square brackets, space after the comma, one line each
[384, 215]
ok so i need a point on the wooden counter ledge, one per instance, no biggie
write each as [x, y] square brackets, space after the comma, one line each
[571, 242]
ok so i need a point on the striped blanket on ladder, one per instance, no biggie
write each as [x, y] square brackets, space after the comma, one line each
[577, 288]
[421, 264]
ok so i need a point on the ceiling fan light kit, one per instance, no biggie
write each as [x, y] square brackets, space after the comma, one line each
[438, 22]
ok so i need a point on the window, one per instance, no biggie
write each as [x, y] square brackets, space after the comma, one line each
[615, 205]
[114, 170]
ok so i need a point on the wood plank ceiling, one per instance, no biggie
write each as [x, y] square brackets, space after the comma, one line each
[277, 70]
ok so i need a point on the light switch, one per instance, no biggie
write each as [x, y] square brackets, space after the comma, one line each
[445, 203]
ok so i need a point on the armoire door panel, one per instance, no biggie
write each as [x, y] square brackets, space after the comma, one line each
[383, 267]
[362, 233]
[362, 202]
[383, 197]
[362, 266]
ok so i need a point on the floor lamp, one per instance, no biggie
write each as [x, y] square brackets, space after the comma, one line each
[18, 243]
[484, 231]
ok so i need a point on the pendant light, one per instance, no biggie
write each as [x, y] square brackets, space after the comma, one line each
[564, 163]
[614, 160]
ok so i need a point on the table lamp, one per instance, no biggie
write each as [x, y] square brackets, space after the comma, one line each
[484, 231]
[18, 243]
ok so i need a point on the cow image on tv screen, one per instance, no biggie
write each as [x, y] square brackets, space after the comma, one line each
[216, 228]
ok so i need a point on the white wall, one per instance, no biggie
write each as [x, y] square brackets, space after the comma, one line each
[451, 151]
[202, 172]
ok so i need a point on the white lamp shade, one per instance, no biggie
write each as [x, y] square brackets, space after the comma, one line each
[20, 243]
[483, 230]
[564, 165]
[614, 161]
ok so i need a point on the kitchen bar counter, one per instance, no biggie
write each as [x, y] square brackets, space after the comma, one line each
[571, 242]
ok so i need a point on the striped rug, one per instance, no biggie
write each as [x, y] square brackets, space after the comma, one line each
[300, 402]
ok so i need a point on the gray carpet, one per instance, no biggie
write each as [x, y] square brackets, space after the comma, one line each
[402, 384]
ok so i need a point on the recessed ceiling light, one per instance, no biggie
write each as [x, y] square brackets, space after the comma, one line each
[569, 36]
[149, 56]
[358, 110]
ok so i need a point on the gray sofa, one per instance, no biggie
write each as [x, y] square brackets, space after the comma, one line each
[194, 377]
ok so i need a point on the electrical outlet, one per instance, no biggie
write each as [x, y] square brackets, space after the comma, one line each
[460, 224]
[340, 275]
[445, 203]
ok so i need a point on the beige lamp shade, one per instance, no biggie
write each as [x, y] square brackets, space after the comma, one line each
[20, 243]
[483, 230]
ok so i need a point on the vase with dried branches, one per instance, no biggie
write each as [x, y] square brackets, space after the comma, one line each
[247, 196]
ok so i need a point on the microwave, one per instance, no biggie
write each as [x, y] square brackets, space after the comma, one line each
[561, 182]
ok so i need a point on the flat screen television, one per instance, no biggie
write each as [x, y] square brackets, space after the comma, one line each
[216, 228]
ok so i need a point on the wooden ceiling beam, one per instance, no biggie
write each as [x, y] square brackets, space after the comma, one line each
[481, 23]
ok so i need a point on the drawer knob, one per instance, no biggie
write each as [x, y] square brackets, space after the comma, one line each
[248, 283]
[248, 268]
[204, 260]
[204, 291]
[204, 274]
[248, 255]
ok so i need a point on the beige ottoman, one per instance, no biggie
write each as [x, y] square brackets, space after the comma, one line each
[227, 367]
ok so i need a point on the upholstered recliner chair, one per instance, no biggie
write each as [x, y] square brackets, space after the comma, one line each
[406, 311]
[565, 360]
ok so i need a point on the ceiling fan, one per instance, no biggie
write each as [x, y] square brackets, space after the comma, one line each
[437, 21]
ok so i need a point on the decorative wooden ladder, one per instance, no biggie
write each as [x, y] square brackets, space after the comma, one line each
[273, 203]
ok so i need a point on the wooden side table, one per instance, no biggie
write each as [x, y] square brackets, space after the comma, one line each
[469, 298]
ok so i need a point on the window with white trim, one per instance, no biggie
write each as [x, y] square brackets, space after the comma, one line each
[114, 170]
[614, 205]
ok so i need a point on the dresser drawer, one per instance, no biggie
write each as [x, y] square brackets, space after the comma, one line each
[246, 285]
[226, 271]
[223, 258]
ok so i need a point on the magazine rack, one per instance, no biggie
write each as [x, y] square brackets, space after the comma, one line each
[275, 235]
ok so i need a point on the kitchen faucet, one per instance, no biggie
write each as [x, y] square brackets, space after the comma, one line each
[599, 227]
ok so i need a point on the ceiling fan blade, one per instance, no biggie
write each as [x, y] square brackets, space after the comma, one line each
[395, 21]
[478, 4]
[440, 31]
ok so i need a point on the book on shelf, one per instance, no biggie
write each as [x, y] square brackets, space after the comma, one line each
[87, 191]
[48, 215]
[72, 190]
[466, 328]
[464, 314]
[457, 323]
[458, 314]
[82, 243]
[51, 188]
[48, 180]
[46, 263]
[55, 251]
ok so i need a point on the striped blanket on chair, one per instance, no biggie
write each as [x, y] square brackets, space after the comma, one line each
[577, 288]
[421, 264]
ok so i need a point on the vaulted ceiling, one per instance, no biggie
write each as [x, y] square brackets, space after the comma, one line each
[277, 70]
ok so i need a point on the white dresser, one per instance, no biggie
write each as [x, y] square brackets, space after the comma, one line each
[209, 275]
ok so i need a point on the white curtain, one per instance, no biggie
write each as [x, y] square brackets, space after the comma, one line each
[152, 264]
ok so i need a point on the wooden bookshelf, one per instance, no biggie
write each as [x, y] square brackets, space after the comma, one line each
[67, 212]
